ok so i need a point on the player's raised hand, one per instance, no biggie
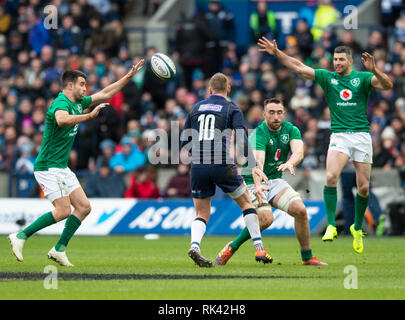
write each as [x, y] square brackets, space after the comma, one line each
[267, 46]
[368, 61]
[135, 68]
[94, 113]
[286, 166]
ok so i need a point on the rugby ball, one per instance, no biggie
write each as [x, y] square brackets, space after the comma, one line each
[162, 66]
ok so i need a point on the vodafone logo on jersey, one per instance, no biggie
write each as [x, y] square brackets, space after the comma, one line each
[346, 95]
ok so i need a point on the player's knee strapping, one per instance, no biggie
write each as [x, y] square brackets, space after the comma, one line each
[287, 198]
[249, 211]
[261, 207]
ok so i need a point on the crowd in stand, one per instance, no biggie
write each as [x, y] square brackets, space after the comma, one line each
[91, 37]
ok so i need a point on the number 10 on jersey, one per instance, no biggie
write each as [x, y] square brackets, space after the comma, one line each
[207, 127]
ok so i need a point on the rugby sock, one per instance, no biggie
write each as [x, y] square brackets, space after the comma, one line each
[71, 225]
[360, 206]
[243, 236]
[330, 199]
[306, 254]
[198, 227]
[252, 224]
[42, 222]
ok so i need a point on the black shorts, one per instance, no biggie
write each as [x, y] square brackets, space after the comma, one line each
[205, 178]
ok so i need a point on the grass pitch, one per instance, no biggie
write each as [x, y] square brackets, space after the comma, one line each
[130, 267]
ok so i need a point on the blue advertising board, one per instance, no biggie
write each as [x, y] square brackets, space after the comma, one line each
[175, 217]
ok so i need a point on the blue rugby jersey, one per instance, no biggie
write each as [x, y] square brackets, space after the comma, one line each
[209, 126]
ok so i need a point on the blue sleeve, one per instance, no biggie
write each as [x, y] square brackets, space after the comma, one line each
[184, 137]
[237, 119]
[242, 141]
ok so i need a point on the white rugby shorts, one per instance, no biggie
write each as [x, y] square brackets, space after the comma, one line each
[57, 182]
[357, 145]
[275, 186]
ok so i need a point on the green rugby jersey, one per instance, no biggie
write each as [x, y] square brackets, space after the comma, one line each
[276, 144]
[347, 99]
[57, 141]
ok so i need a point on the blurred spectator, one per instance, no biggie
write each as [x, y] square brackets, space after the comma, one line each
[222, 28]
[347, 39]
[399, 32]
[107, 148]
[16, 44]
[255, 116]
[105, 183]
[142, 185]
[328, 40]
[389, 144]
[8, 69]
[8, 150]
[68, 37]
[108, 37]
[5, 20]
[24, 172]
[263, 22]
[25, 163]
[191, 36]
[390, 10]
[102, 6]
[301, 99]
[128, 158]
[287, 83]
[304, 38]
[375, 41]
[325, 14]
[198, 84]
[179, 184]
[131, 94]
[40, 37]
[382, 158]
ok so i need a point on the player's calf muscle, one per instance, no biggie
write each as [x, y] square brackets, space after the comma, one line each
[265, 219]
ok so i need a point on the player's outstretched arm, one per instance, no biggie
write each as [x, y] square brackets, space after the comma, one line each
[64, 119]
[291, 63]
[257, 178]
[380, 80]
[297, 154]
[108, 92]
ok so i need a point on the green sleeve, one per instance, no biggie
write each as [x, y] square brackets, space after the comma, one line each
[367, 79]
[257, 141]
[295, 134]
[86, 102]
[59, 105]
[321, 77]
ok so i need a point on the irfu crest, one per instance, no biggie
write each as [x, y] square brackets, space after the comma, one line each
[355, 82]
[285, 138]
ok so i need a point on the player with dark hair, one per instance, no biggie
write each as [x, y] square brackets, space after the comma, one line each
[208, 130]
[346, 91]
[59, 184]
[272, 141]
